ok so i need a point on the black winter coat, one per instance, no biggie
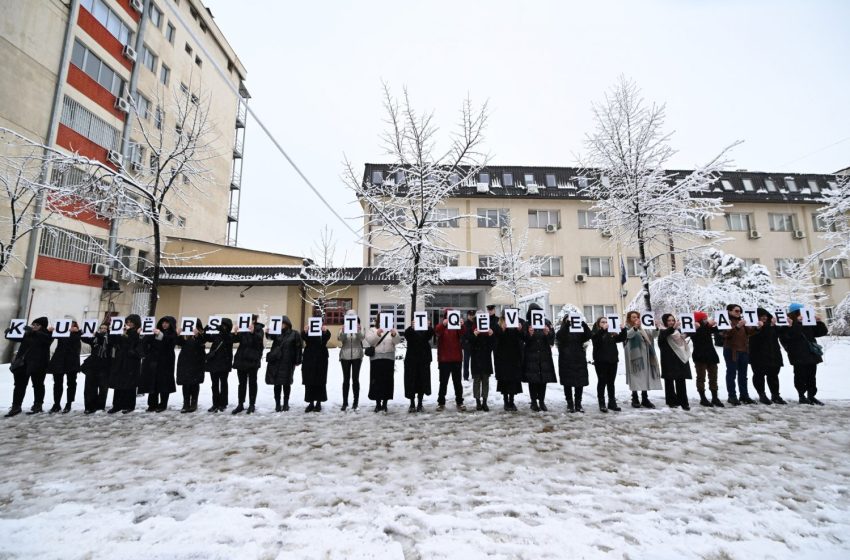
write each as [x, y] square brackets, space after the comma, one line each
[35, 346]
[538, 365]
[703, 339]
[190, 362]
[250, 352]
[125, 360]
[97, 362]
[314, 360]
[508, 355]
[158, 363]
[481, 349]
[764, 348]
[66, 357]
[283, 356]
[671, 366]
[220, 356]
[572, 357]
[605, 345]
[796, 338]
[417, 362]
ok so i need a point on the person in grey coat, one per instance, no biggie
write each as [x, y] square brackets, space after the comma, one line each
[351, 358]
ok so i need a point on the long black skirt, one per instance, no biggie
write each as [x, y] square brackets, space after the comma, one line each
[313, 393]
[509, 387]
[417, 379]
[381, 379]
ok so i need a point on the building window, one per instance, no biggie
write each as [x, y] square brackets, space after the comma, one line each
[784, 266]
[81, 120]
[696, 222]
[395, 214]
[155, 15]
[493, 217]
[67, 245]
[142, 262]
[143, 105]
[727, 185]
[548, 266]
[188, 49]
[551, 182]
[834, 268]
[582, 182]
[737, 222]
[596, 266]
[781, 222]
[395, 308]
[96, 69]
[157, 118]
[149, 58]
[587, 219]
[109, 19]
[813, 185]
[484, 178]
[818, 224]
[508, 179]
[593, 312]
[542, 218]
[165, 74]
[790, 184]
[748, 185]
[486, 261]
[770, 185]
[334, 310]
[750, 262]
[529, 179]
[198, 61]
[446, 217]
[633, 268]
[170, 32]
[377, 177]
[448, 260]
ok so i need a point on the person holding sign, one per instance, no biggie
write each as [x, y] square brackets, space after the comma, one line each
[247, 362]
[125, 365]
[481, 341]
[450, 334]
[157, 379]
[572, 360]
[30, 363]
[508, 357]
[705, 357]
[219, 361]
[804, 352]
[605, 360]
[538, 367]
[314, 368]
[642, 370]
[675, 362]
[766, 357]
[65, 364]
[736, 353]
[96, 369]
[381, 363]
[351, 357]
[469, 325]
[190, 366]
[284, 355]
[417, 362]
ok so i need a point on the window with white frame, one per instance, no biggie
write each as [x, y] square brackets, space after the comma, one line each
[542, 218]
[142, 262]
[493, 217]
[813, 185]
[170, 32]
[697, 266]
[593, 312]
[393, 214]
[736, 221]
[143, 105]
[727, 185]
[96, 69]
[748, 185]
[786, 265]
[155, 15]
[529, 179]
[633, 267]
[696, 222]
[781, 222]
[770, 185]
[149, 58]
[507, 179]
[446, 217]
[164, 74]
[587, 219]
[448, 260]
[596, 266]
[548, 266]
[834, 268]
[486, 261]
[109, 19]
[551, 181]
[819, 224]
[790, 184]
[377, 177]
[81, 120]
[750, 262]
[484, 178]
[397, 309]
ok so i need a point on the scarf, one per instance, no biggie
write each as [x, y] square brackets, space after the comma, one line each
[679, 344]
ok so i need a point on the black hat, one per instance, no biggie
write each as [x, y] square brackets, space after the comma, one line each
[41, 321]
[491, 307]
[762, 312]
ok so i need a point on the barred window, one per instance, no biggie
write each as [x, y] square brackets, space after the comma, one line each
[69, 246]
[334, 310]
[84, 122]
[397, 309]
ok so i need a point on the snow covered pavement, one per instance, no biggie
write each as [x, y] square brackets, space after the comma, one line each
[750, 482]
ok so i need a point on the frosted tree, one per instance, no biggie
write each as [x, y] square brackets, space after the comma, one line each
[514, 273]
[757, 287]
[797, 282]
[835, 219]
[321, 280]
[840, 325]
[402, 219]
[641, 204]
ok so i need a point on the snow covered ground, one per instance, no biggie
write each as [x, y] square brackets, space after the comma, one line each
[751, 482]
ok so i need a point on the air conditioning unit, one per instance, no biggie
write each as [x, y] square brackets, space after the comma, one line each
[754, 234]
[482, 188]
[122, 104]
[827, 281]
[126, 275]
[580, 279]
[505, 231]
[551, 228]
[129, 53]
[115, 157]
[99, 269]
[137, 5]
[799, 234]
[606, 233]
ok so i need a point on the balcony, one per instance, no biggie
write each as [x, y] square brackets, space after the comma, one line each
[241, 115]
[236, 179]
[238, 146]
[233, 212]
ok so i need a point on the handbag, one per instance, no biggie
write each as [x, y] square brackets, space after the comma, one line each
[815, 348]
[212, 352]
[19, 364]
[370, 351]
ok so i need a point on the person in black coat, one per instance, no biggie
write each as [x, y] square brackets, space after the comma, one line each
[605, 360]
[481, 344]
[157, 379]
[417, 366]
[538, 367]
[314, 369]
[466, 346]
[572, 362]
[804, 353]
[766, 358]
[219, 362]
[96, 370]
[190, 366]
[705, 357]
[65, 363]
[247, 361]
[508, 363]
[284, 355]
[125, 364]
[675, 362]
[30, 363]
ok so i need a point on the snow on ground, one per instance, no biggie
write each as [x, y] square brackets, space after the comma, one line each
[751, 482]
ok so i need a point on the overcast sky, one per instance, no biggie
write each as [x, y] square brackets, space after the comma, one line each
[773, 74]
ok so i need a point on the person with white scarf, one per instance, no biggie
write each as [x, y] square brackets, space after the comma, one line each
[642, 372]
[675, 362]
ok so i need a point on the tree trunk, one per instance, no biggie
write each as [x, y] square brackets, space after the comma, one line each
[647, 299]
[157, 259]
[415, 287]
[672, 248]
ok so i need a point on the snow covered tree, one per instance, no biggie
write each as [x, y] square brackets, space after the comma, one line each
[402, 221]
[320, 278]
[514, 273]
[757, 287]
[640, 203]
[840, 325]
[835, 219]
[797, 282]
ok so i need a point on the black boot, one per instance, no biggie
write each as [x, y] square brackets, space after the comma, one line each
[733, 400]
[239, 408]
[579, 391]
[644, 400]
[507, 402]
[412, 407]
[36, 409]
[277, 407]
[251, 409]
[419, 407]
[602, 407]
[67, 408]
[571, 407]
[484, 406]
[310, 407]
[778, 400]
[702, 400]
[612, 405]
[764, 400]
[55, 408]
[477, 404]
[542, 405]
[534, 406]
[344, 406]
[715, 400]
[285, 407]
[635, 400]
[318, 407]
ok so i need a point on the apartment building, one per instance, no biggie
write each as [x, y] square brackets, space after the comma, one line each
[73, 72]
[770, 219]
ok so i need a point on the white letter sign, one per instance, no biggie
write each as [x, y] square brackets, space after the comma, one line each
[511, 318]
[807, 316]
[148, 323]
[244, 322]
[538, 319]
[213, 324]
[62, 328]
[453, 317]
[314, 327]
[482, 322]
[349, 324]
[275, 324]
[647, 319]
[751, 316]
[387, 321]
[687, 323]
[116, 325]
[613, 323]
[722, 320]
[187, 325]
[575, 323]
[16, 328]
[89, 327]
[420, 320]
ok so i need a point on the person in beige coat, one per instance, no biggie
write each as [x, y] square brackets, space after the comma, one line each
[381, 364]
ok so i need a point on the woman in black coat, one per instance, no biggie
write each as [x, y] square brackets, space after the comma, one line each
[675, 362]
[605, 360]
[314, 369]
[125, 365]
[572, 362]
[284, 355]
[538, 367]
[30, 363]
[804, 353]
[219, 362]
[705, 357]
[247, 361]
[417, 366]
[96, 370]
[481, 346]
[766, 358]
[65, 363]
[508, 363]
[190, 366]
[157, 378]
